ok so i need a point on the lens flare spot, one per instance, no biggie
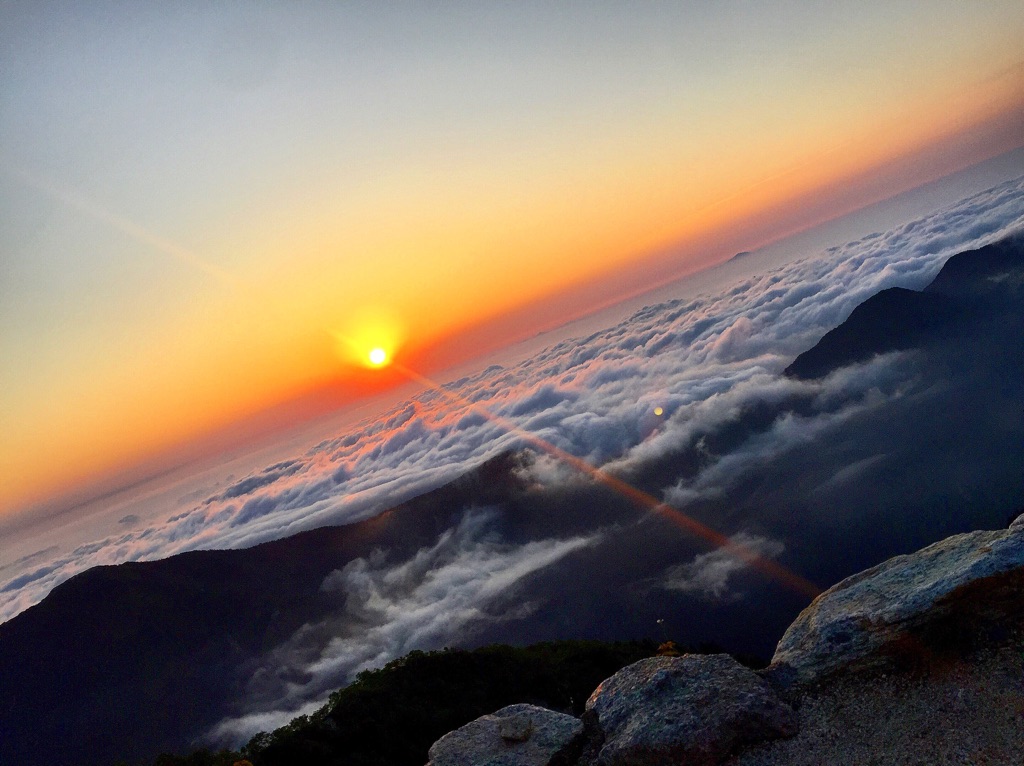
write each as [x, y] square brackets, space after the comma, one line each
[659, 411]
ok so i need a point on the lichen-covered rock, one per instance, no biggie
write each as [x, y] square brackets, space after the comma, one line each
[517, 735]
[694, 709]
[911, 606]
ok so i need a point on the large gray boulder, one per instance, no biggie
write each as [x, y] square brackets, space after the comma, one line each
[517, 735]
[908, 609]
[694, 709]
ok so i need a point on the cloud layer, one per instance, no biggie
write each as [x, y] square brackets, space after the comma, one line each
[594, 396]
[684, 399]
[441, 595]
[708, 574]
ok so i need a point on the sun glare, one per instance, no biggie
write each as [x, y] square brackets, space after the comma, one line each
[368, 339]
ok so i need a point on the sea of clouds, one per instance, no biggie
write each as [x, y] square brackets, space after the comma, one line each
[624, 399]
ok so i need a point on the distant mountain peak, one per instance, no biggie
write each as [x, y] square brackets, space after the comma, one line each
[970, 286]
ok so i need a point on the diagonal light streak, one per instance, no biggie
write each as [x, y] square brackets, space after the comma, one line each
[76, 200]
[744, 553]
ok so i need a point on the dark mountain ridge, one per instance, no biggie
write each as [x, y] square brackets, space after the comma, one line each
[973, 288]
[994, 272]
[110, 643]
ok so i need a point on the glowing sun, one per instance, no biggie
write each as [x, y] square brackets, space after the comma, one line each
[378, 356]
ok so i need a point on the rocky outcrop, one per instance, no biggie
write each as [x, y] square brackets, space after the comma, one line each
[517, 735]
[944, 598]
[947, 616]
[694, 709]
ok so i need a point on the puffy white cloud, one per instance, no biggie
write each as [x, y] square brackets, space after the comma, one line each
[439, 595]
[707, 576]
[432, 597]
[232, 731]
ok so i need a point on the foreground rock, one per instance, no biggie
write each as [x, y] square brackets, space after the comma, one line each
[942, 599]
[517, 735]
[692, 709]
[917, 660]
[965, 713]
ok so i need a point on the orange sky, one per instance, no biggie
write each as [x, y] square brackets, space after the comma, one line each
[201, 235]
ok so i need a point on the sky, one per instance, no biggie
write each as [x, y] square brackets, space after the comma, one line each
[209, 211]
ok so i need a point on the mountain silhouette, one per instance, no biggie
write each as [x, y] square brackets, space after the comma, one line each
[975, 290]
[131, 660]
